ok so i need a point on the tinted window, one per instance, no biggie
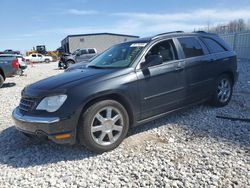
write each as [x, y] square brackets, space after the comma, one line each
[166, 49]
[39, 55]
[214, 46]
[191, 47]
[33, 55]
[91, 51]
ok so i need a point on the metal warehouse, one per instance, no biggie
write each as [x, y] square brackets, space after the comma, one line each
[100, 41]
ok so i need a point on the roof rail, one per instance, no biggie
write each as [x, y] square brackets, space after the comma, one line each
[200, 32]
[162, 34]
[205, 32]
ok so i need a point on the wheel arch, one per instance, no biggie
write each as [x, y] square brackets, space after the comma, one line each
[230, 74]
[70, 60]
[112, 96]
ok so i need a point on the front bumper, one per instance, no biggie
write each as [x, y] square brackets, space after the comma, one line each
[59, 130]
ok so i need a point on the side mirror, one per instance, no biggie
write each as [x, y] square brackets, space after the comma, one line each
[152, 60]
[78, 54]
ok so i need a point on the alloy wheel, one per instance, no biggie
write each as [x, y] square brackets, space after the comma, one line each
[107, 126]
[224, 90]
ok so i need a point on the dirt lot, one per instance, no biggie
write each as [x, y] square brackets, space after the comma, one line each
[191, 148]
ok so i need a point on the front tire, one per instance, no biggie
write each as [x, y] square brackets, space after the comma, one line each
[68, 63]
[223, 91]
[103, 126]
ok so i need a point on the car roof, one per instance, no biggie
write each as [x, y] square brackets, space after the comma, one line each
[172, 34]
[140, 40]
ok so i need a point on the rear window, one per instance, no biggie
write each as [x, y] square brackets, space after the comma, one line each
[91, 51]
[191, 47]
[213, 45]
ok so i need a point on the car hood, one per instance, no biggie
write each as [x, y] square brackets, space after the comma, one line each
[62, 81]
[81, 65]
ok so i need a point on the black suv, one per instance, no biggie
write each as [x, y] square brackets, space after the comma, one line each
[129, 84]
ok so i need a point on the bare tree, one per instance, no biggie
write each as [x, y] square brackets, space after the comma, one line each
[231, 27]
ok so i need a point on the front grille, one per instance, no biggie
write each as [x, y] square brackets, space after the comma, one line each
[27, 104]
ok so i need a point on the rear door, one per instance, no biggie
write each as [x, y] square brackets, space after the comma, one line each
[162, 87]
[40, 58]
[198, 68]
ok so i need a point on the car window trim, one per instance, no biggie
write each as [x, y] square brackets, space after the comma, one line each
[141, 58]
[184, 56]
[166, 63]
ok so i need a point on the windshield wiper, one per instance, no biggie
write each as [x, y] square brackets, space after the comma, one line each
[105, 67]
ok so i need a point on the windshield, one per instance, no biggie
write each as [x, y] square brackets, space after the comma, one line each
[118, 56]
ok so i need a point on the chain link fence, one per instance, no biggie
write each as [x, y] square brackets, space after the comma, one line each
[240, 42]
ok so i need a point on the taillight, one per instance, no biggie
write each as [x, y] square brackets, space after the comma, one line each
[15, 64]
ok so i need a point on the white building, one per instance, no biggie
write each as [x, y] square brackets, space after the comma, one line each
[100, 41]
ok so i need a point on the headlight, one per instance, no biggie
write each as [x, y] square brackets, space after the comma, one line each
[52, 104]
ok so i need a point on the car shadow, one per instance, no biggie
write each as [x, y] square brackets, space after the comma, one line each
[7, 85]
[19, 151]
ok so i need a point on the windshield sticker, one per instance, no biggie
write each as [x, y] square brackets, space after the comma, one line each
[138, 45]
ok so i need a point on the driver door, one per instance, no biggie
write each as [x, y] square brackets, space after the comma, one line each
[82, 55]
[162, 87]
[34, 58]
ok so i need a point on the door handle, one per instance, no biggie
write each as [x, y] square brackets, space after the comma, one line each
[226, 59]
[180, 66]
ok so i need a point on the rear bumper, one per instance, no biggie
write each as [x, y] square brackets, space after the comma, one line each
[51, 127]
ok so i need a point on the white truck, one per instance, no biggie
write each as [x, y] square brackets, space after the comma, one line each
[36, 57]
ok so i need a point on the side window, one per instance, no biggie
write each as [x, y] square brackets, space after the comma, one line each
[166, 49]
[39, 55]
[83, 52]
[33, 55]
[214, 46]
[191, 47]
[91, 51]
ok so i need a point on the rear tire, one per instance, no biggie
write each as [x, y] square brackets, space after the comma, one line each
[223, 91]
[47, 60]
[103, 126]
[1, 80]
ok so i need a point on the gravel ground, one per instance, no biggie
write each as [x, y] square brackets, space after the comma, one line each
[191, 148]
